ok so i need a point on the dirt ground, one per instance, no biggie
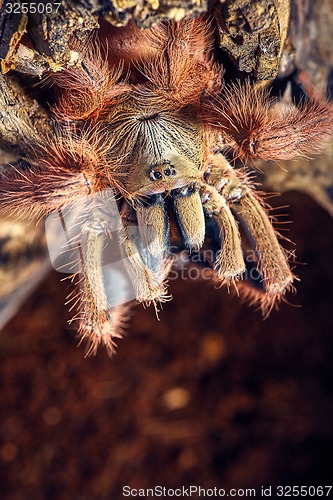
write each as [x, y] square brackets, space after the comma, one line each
[210, 395]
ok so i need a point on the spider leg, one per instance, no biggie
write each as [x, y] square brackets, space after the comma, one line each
[100, 323]
[64, 168]
[229, 264]
[256, 127]
[89, 88]
[25, 187]
[272, 261]
[227, 187]
[183, 70]
[145, 253]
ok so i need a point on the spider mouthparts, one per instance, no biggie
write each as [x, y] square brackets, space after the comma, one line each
[187, 190]
[187, 207]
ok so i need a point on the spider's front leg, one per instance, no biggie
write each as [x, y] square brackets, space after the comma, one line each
[39, 191]
[236, 190]
[116, 262]
[100, 320]
[144, 246]
[229, 264]
[89, 88]
[244, 118]
[272, 261]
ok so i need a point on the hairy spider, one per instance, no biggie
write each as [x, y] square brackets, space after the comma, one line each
[151, 118]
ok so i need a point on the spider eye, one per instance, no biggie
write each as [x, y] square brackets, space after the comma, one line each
[156, 173]
[170, 171]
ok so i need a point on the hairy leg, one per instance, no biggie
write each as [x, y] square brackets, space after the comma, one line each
[146, 260]
[235, 189]
[257, 127]
[100, 323]
[184, 69]
[90, 87]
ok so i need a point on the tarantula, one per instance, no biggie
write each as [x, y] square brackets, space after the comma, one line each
[149, 116]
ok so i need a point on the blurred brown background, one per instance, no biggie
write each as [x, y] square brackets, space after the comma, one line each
[209, 395]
